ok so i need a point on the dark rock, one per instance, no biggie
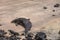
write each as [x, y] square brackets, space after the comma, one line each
[13, 32]
[44, 7]
[40, 36]
[22, 34]
[0, 24]
[14, 38]
[59, 32]
[53, 10]
[3, 38]
[23, 39]
[29, 36]
[58, 39]
[56, 5]
[2, 33]
[53, 15]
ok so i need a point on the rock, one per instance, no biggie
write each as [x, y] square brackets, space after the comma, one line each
[53, 15]
[29, 36]
[3, 38]
[57, 5]
[40, 36]
[2, 32]
[14, 38]
[13, 32]
[53, 10]
[44, 7]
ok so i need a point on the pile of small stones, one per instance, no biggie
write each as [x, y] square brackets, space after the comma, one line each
[15, 36]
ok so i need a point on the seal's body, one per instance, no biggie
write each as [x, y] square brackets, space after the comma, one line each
[23, 22]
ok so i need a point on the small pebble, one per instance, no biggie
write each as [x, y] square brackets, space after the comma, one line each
[44, 7]
[59, 32]
[53, 10]
[22, 34]
[0, 24]
[53, 15]
[13, 32]
[56, 5]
